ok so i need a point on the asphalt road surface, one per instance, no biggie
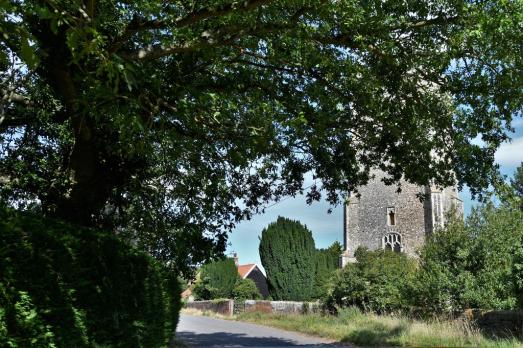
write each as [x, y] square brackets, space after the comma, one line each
[198, 331]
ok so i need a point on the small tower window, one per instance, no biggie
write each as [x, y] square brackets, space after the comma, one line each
[391, 216]
[392, 242]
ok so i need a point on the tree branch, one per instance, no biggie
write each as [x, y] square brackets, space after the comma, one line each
[137, 24]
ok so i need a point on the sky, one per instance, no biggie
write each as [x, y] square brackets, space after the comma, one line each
[327, 228]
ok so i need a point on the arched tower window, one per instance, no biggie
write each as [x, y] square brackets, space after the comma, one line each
[392, 241]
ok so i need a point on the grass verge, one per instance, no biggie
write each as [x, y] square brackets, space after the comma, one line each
[365, 329]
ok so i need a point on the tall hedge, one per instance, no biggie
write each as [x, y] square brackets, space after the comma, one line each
[287, 253]
[67, 286]
[217, 280]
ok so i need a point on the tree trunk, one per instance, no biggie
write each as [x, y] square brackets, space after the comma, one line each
[90, 179]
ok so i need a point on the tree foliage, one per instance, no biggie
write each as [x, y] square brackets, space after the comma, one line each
[165, 120]
[217, 280]
[287, 253]
[327, 261]
[67, 286]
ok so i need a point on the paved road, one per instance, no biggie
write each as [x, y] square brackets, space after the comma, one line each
[198, 331]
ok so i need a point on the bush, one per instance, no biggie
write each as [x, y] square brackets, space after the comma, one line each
[517, 271]
[67, 286]
[246, 289]
[471, 265]
[287, 253]
[216, 280]
[380, 281]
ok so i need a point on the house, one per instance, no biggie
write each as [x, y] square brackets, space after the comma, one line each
[251, 271]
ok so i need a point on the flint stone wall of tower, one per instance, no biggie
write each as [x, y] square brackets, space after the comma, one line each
[366, 222]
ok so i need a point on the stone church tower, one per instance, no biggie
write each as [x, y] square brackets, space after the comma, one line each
[382, 218]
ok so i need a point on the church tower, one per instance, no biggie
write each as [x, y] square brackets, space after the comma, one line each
[382, 218]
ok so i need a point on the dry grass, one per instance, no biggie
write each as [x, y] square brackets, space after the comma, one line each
[373, 330]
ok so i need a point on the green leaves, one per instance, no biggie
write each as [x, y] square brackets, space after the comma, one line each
[65, 285]
[224, 106]
[28, 53]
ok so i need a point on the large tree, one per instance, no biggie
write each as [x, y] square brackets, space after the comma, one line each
[170, 121]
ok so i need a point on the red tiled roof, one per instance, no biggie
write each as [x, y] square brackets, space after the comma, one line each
[244, 270]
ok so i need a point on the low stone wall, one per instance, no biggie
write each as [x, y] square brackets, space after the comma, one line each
[224, 307]
[500, 323]
[285, 307]
[230, 307]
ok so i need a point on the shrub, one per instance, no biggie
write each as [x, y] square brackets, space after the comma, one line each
[68, 286]
[287, 254]
[471, 265]
[246, 289]
[380, 281]
[217, 280]
[517, 271]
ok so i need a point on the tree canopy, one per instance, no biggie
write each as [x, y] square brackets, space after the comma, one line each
[170, 121]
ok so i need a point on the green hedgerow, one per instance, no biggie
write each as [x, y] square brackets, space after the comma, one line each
[68, 286]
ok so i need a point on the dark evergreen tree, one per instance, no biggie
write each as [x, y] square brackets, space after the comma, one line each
[217, 280]
[326, 263]
[287, 254]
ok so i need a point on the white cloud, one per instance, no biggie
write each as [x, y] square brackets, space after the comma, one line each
[510, 154]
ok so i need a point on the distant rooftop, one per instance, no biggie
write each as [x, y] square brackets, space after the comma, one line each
[244, 270]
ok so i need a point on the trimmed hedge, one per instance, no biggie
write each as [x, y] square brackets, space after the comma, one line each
[68, 286]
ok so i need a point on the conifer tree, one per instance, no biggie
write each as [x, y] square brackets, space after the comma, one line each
[287, 253]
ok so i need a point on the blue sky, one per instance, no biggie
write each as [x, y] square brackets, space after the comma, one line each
[327, 228]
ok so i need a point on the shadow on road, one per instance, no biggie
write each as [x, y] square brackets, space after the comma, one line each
[225, 339]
